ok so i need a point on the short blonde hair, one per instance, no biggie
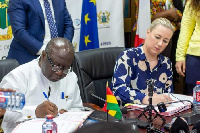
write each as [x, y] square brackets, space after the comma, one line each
[162, 21]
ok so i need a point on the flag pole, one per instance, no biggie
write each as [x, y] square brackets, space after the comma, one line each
[106, 100]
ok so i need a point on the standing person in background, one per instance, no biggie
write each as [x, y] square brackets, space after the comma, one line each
[188, 47]
[158, 8]
[34, 23]
[178, 4]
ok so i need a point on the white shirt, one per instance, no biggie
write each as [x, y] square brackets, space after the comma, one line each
[29, 80]
[47, 37]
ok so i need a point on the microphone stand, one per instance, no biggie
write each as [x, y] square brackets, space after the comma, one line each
[150, 107]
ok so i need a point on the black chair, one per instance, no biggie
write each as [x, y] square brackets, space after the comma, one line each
[94, 68]
[6, 66]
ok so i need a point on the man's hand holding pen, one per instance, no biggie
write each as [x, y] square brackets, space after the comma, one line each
[46, 108]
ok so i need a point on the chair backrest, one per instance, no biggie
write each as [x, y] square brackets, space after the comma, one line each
[6, 66]
[94, 68]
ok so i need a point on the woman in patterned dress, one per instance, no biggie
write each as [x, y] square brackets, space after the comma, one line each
[137, 65]
[172, 10]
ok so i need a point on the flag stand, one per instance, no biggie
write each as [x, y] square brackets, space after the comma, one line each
[111, 106]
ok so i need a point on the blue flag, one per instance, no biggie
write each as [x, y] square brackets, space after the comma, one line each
[89, 38]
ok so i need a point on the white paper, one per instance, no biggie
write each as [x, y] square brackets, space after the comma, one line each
[66, 123]
[174, 107]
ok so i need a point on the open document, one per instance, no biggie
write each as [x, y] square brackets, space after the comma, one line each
[66, 123]
[172, 108]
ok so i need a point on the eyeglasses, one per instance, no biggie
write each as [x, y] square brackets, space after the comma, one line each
[56, 68]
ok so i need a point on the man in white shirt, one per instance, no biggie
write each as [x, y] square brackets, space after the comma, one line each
[50, 74]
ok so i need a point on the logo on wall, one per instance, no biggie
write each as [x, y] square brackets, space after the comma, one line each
[4, 21]
[103, 17]
[77, 23]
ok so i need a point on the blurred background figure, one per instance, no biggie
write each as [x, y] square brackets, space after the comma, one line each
[188, 47]
[172, 10]
[34, 23]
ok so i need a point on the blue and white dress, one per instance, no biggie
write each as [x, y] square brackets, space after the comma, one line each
[131, 72]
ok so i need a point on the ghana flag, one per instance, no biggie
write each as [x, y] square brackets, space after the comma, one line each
[111, 106]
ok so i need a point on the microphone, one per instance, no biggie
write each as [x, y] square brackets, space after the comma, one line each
[91, 93]
[179, 125]
[196, 128]
[150, 83]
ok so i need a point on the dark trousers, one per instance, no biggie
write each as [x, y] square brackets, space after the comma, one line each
[192, 72]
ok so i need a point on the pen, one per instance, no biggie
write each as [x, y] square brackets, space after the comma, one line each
[62, 95]
[45, 95]
[169, 91]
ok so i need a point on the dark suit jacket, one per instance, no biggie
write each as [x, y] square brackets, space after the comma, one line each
[179, 5]
[27, 21]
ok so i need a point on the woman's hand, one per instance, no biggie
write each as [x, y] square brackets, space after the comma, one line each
[157, 98]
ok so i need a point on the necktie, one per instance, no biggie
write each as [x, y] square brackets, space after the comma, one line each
[52, 25]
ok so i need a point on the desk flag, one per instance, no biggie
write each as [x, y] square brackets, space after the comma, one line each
[111, 106]
[89, 38]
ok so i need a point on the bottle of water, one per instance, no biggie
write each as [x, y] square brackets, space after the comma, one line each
[12, 100]
[49, 126]
[196, 97]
